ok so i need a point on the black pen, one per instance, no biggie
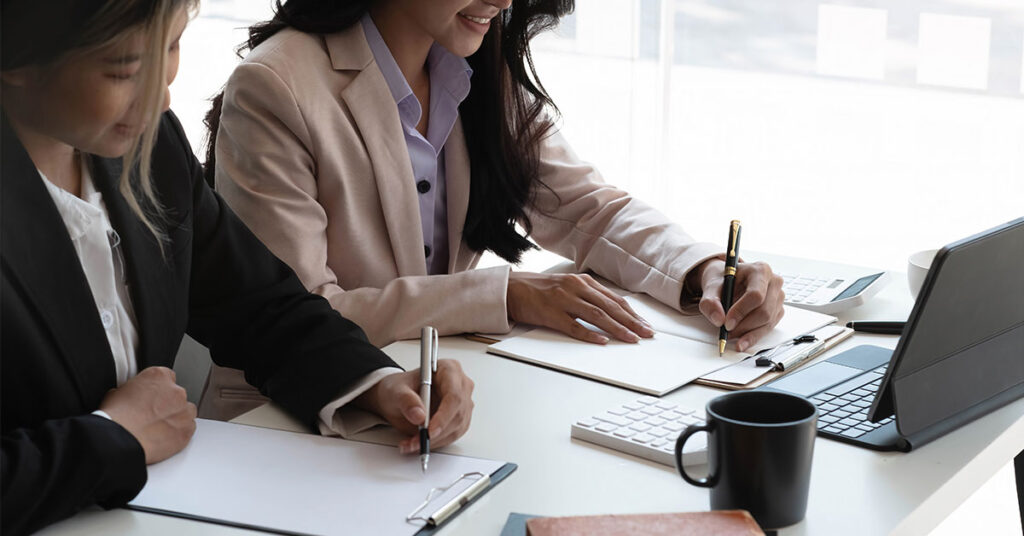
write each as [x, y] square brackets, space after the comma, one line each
[731, 254]
[883, 328]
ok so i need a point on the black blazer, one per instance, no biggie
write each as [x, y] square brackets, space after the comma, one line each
[216, 282]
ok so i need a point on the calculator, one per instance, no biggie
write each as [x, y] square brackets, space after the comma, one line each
[831, 293]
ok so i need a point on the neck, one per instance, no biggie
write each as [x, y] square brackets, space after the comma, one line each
[408, 43]
[52, 157]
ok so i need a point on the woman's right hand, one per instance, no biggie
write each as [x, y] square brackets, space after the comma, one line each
[557, 300]
[155, 410]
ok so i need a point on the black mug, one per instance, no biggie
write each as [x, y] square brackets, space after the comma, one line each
[760, 446]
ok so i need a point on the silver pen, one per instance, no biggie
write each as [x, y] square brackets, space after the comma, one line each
[428, 366]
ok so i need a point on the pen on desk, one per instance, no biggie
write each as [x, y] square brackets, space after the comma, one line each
[731, 255]
[428, 365]
[883, 328]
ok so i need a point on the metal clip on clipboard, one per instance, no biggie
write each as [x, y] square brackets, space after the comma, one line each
[445, 511]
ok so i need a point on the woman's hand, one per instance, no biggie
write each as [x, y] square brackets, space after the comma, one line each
[397, 399]
[155, 410]
[557, 300]
[756, 306]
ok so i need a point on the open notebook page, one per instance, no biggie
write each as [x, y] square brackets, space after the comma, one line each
[664, 319]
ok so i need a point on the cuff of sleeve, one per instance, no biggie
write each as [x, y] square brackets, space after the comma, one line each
[671, 290]
[336, 420]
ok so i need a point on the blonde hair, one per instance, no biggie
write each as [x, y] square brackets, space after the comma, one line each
[106, 28]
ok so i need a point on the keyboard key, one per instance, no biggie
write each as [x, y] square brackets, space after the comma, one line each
[834, 429]
[659, 443]
[671, 415]
[822, 424]
[665, 406]
[674, 427]
[587, 423]
[640, 427]
[618, 411]
[606, 428]
[865, 427]
[862, 392]
[850, 422]
[633, 406]
[614, 419]
[642, 438]
[842, 414]
[638, 416]
[624, 432]
[658, 432]
[852, 432]
[828, 406]
[655, 421]
[828, 418]
[850, 385]
[647, 400]
[651, 411]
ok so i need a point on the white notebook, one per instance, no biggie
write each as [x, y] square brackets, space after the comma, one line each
[683, 349]
[295, 483]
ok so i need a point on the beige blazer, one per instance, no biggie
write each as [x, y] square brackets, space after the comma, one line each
[311, 155]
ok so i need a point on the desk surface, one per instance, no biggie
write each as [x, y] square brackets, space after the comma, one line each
[523, 414]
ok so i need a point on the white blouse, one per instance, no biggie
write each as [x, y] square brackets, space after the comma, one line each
[99, 250]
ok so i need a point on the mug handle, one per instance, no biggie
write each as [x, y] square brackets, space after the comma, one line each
[707, 482]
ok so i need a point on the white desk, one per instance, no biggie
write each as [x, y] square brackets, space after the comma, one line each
[523, 414]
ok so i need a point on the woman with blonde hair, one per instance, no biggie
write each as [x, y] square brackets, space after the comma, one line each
[113, 247]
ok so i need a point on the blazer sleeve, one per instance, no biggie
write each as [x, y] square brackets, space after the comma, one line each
[266, 170]
[253, 313]
[604, 229]
[52, 471]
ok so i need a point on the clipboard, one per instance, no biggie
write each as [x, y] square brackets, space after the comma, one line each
[762, 375]
[304, 484]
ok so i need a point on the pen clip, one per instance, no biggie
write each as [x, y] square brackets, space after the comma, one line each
[433, 349]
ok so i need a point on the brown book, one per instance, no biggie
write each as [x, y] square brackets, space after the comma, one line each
[716, 523]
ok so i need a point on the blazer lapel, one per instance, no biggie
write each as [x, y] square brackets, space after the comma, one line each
[372, 107]
[457, 174]
[149, 275]
[38, 253]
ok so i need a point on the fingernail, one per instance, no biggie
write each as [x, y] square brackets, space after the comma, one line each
[600, 339]
[646, 332]
[633, 338]
[742, 346]
[644, 320]
[730, 325]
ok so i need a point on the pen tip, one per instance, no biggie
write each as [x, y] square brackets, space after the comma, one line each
[423, 463]
[721, 347]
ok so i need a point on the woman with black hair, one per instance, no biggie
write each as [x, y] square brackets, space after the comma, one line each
[113, 247]
[380, 146]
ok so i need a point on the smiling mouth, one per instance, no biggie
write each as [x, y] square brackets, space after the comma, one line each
[478, 20]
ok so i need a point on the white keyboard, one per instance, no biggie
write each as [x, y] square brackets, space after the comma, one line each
[648, 428]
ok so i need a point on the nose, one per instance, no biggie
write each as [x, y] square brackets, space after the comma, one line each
[500, 4]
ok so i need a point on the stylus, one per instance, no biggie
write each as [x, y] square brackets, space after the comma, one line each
[882, 328]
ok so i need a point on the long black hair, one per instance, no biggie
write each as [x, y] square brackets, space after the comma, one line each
[503, 116]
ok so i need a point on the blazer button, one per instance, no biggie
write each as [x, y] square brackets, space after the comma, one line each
[423, 186]
[426, 251]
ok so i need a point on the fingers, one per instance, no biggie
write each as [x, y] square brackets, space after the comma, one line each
[758, 307]
[588, 300]
[453, 415]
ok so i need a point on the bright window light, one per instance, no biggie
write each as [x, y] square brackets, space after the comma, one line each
[851, 42]
[953, 51]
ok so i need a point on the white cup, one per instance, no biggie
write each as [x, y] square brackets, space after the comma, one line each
[917, 268]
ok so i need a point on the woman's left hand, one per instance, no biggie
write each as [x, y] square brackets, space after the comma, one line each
[757, 300]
